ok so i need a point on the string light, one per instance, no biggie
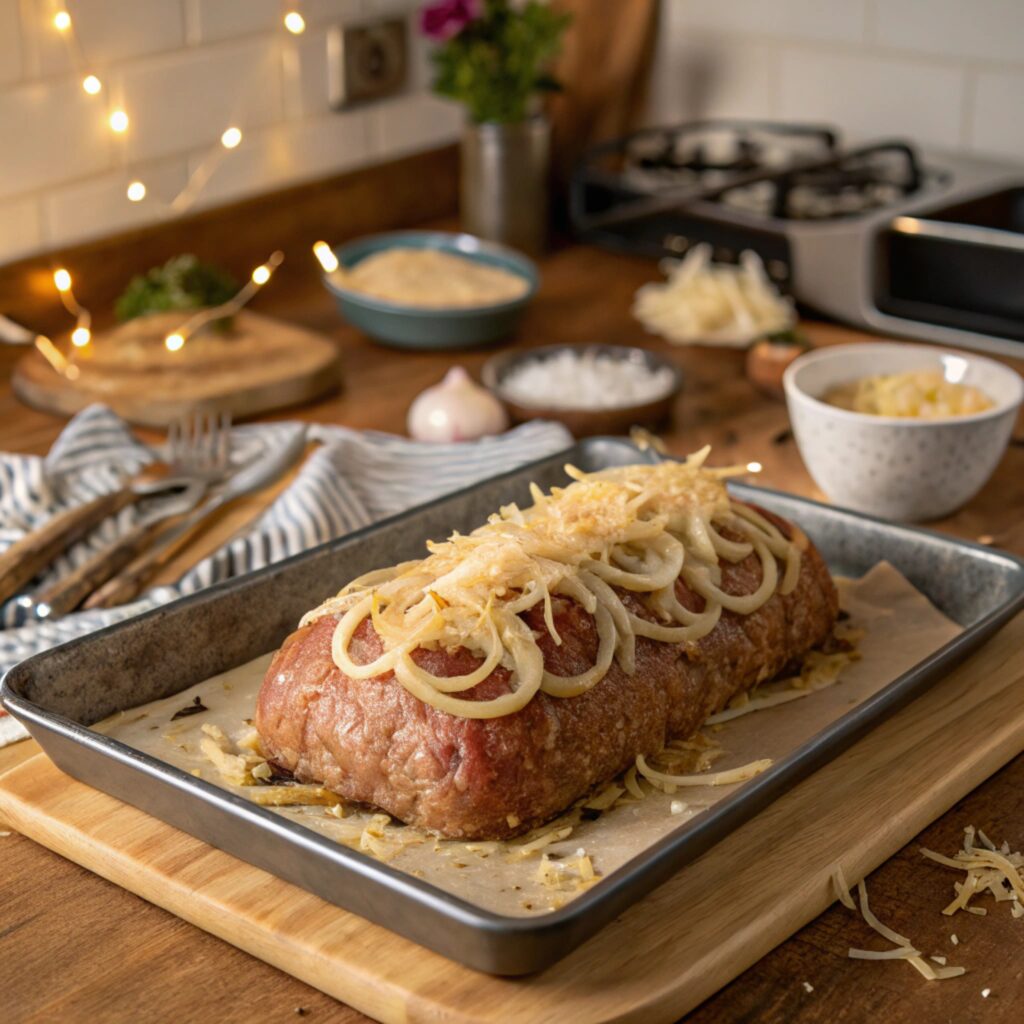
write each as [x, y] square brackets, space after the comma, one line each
[754, 467]
[175, 341]
[55, 357]
[81, 335]
[119, 121]
[230, 139]
[323, 252]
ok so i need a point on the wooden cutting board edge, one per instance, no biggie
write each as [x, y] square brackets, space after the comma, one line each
[38, 385]
[644, 966]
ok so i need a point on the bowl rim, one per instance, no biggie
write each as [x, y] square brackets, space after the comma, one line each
[825, 353]
[501, 362]
[448, 241]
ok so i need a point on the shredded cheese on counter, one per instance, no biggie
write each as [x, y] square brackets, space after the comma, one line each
[903, 948]
[988, 870]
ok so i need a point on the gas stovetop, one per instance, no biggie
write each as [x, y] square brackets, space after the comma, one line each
[882, 235]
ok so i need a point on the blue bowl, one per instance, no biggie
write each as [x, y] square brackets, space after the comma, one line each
[408, 326]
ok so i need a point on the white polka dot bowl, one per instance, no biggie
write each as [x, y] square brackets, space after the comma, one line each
[899, 468]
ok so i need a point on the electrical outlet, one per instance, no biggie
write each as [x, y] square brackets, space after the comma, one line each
[366, 62]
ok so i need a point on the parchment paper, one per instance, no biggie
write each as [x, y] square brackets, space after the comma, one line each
[900, 628]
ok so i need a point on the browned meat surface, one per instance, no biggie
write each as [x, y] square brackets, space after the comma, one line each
[372, 741]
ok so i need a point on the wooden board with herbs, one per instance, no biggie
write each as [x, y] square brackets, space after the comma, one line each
[257, 365]
[663, 956]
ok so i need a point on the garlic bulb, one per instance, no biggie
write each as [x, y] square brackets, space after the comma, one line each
[457, 409]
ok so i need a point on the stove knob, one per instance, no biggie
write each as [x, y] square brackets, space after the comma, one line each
[676, 243]
[724, 255]
[777, 270]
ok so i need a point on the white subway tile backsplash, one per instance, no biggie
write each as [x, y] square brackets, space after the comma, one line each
[412, 123]
[105, 31]
[213, 20]
[185, 100]
[51, 131]
[998, 122]
[286, 154]
[99, 206]
[421, 66]
[981, 29]
[186, 69]
[19, 228]
[11, 63]
[304, 69]
[327, 12]
[699, 75]
[833, 20]
[871, 97]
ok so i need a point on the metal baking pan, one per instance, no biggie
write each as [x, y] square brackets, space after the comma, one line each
[57, 694]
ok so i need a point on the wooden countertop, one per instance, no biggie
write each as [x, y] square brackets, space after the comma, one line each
[74, 947]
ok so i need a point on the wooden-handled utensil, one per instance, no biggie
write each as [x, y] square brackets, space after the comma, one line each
[67, 593]
[258, 474]
[198, 451]
[26, 558]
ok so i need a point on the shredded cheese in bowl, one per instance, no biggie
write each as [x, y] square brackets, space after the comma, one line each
[916, 394]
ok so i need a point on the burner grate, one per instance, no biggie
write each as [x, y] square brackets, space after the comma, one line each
[844, 186]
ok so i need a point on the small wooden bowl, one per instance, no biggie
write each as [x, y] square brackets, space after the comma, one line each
[584, 422]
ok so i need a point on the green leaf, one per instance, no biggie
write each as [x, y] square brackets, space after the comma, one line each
[182, 283]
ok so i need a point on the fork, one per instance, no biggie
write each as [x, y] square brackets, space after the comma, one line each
[200, 445]
[198, 454]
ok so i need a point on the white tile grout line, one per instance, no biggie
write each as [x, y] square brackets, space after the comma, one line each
[970, 92]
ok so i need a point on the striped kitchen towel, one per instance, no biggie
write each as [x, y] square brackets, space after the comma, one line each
[352, 479]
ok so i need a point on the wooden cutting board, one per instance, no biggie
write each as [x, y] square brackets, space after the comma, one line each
[656, 962]
[259, 365]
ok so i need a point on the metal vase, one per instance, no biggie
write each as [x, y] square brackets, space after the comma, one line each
[504, 187]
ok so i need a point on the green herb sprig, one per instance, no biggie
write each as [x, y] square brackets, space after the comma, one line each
[183, 283]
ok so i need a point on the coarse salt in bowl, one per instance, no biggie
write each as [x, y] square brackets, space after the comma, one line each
[593, 389]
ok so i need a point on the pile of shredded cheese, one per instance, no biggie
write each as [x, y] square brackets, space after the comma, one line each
[988, 870]
[713, 303]
[632, 528]
[991, 870]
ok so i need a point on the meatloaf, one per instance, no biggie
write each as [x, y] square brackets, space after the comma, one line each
[373, 742]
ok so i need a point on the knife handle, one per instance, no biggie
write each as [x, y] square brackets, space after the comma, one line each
[130, 580]
[26, 558]
[66, 594]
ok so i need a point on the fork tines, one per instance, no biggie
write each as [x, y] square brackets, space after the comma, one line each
[200, 442]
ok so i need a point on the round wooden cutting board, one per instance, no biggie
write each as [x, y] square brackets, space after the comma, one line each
[259, 365]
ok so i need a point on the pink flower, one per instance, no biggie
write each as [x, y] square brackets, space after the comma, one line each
[447, 18]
